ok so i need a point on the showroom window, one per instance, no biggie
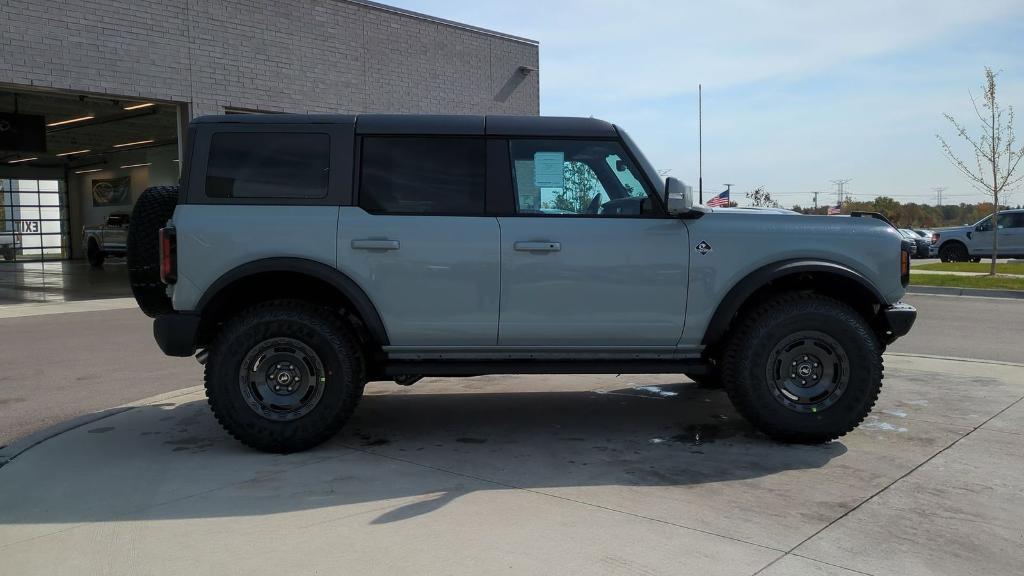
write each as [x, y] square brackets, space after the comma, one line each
[268, 165]
[422, 175]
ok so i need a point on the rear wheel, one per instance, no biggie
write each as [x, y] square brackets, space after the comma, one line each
[803, 368]
[953, 252]
[151, 213]
[8, 253]
[284, 376]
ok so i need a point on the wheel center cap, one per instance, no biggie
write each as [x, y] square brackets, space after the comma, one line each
[284, 378]
[804, 370]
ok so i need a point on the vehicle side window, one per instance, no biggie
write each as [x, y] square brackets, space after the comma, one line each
[984, 226]
[1007, 221]
[1016, 220]
[577, 178]
[268, 165]
[422, 175]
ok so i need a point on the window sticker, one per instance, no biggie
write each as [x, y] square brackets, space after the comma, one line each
[548, 169]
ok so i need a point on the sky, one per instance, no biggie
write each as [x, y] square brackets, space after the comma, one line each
[795, 93]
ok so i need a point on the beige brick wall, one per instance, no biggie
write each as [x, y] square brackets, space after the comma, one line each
[283, 55]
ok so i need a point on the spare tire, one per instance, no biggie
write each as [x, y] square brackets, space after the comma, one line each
[151, 213]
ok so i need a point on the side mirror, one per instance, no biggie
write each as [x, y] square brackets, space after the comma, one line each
[678, 197]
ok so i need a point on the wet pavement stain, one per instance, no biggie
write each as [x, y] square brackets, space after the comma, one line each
[471, 440]
[100, 430]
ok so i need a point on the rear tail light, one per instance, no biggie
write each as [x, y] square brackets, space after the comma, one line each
[168, 255]
[905, 265]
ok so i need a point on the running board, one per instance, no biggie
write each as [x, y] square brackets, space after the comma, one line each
[482, 367]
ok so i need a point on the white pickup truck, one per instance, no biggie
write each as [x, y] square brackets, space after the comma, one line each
[110, 239]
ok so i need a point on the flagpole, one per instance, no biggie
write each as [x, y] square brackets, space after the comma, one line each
[700, 142]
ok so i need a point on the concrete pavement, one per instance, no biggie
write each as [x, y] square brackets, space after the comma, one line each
[539, 475]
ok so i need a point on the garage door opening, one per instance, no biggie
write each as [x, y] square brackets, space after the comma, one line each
[70, 161]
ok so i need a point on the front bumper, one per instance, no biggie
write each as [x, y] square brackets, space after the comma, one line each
[896, 321]
[176, 333]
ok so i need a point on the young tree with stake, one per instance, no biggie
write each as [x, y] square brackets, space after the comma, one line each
[995, 153]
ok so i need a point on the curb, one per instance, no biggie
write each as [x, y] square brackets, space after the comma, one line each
[982, 292]
[955, 359]
[19, 446]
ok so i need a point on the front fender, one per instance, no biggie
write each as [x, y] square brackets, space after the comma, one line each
[751, 283]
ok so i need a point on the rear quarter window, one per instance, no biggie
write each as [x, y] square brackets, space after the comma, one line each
[422, 175]
[268, 165]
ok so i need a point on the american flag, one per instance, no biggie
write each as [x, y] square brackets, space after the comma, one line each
[837, 209]
[719, 201]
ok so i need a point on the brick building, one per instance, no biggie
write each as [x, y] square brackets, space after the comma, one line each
[112, 83]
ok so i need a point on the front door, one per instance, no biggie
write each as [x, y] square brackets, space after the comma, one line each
[589, 260]
[419, 243]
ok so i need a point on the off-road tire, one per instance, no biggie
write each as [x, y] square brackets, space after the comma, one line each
[322, 330]
[954, 252]
[94, 255]
[746, 360]
[151, 213]
[8, 254]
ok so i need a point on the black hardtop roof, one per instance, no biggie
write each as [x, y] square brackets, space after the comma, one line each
[451, 124]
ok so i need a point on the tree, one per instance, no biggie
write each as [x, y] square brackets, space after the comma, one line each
[761, 198]
[995, 152]
[889, 208]
[578, 189]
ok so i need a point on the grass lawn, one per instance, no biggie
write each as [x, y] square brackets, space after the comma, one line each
[979, 267]
[996, 282]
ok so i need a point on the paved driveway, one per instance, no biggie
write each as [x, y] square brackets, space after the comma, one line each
[539, 475]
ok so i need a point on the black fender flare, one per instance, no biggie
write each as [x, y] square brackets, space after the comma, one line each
[339, 280]
[752, 282]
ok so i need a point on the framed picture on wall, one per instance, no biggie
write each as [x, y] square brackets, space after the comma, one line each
[112, 191]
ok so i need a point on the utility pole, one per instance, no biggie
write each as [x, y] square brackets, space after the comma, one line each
[840, 183]
[700, 142]
[815, 199]
[938, 194]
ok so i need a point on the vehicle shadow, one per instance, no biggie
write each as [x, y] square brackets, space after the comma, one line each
[404, 454]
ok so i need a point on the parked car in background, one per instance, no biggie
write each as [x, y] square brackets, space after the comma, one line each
[975, 242]
[110, 239]
[921, 246]
[931, 237]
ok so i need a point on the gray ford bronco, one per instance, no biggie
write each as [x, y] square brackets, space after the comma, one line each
[305, 255]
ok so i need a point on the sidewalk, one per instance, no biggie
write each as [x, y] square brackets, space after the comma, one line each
[539, 475]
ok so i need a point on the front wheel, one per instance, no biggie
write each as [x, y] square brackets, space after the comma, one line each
[95, 255]
[953, 252]
[803, 368]
[284, 376]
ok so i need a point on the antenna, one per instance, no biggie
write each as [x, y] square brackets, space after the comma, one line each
[700, 142]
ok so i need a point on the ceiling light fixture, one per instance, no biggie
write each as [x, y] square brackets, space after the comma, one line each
[23, 160]
[71, 121]
[87, 171]
[137, 106]
[133, 143]
[136, 165]
[73, 152]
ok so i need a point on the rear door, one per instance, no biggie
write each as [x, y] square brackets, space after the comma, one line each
[419, 242]
[588, 259]
[1011, 235]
